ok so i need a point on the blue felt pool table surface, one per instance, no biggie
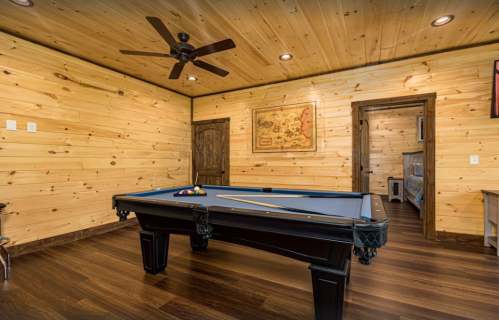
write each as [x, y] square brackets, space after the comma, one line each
[347, 207]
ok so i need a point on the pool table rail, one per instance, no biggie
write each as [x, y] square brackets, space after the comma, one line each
[323, 241]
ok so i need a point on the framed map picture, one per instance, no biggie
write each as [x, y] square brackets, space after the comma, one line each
[288, 128]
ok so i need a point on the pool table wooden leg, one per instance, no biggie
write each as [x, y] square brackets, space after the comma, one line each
[198, 243]
[329, 286]
[349, 266]
[154, 250]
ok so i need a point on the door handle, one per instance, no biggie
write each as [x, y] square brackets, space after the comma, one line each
[370, 172]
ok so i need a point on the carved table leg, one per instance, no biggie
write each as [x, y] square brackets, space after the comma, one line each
[349, 266]
[198, 243]
[154, 250]
[329, 286]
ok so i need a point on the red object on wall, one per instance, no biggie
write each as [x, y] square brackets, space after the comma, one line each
[495, 96]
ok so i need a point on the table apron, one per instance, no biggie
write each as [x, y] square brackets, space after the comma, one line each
[324, 248]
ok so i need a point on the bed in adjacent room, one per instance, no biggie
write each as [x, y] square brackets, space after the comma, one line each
[413, 179]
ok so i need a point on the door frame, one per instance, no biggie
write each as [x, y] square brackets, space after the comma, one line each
[227, 143]
[428, 101]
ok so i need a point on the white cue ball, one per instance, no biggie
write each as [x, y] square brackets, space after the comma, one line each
[196, 188]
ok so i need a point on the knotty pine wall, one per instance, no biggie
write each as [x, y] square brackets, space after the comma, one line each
[391, 132]
[463, 82]
[100, 133]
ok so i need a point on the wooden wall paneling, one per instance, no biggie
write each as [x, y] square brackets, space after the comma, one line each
[458, 9]
[178, 22]
[49, 65]
[335, 20]
[80, 44]
[486, 21]
[462, 81]
[118, 27]
[99, 134]
[487, 36]
[312, 12]
[243, 25]
[359, 33]
[471, 17]
[293, 14]
[202, 10]
[424, 35]
[125, 14]
[373, 13]
[247, 13]
[353, 11]
[35, 245]
[391, 141]
[269, 17]
[413, 14]
[392, 22]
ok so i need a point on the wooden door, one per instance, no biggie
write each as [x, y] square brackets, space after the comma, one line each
[210, 162]
[364, 152]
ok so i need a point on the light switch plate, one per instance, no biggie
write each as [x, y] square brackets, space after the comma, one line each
[31, 127]
[473, 159]
[11, 125]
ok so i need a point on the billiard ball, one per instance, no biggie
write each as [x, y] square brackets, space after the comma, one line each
[196, 188]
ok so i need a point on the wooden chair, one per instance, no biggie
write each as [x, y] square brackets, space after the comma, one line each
[3, 242]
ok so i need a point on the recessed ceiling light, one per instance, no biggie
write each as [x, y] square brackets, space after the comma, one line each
[24, 3]
[285, 57]
[442, 21]
[192, 78]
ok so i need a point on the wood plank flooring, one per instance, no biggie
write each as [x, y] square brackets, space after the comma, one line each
[102, 278]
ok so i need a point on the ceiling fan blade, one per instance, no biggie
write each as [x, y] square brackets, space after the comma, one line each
[214, 47]
[176, 71]
[210, 68]
[164, 32]
[142, 53]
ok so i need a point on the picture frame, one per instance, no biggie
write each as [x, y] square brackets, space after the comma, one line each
[420, 124]
[494, 110]
[287, 128]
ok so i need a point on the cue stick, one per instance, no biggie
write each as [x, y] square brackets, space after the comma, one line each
[293, 196]
[282, 207]
[197, 175]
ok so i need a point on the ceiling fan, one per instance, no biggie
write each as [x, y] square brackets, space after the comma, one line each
[184, 52]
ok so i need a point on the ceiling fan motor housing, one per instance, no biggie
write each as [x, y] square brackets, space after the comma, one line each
[184, 52]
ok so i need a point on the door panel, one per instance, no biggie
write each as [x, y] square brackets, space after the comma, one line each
[364, 152]
[211, 152]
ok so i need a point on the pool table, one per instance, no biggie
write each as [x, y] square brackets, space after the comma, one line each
[323, 238]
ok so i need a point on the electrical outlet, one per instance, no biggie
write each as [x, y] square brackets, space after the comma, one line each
[11, 125]
[473, 159]
[31, 127]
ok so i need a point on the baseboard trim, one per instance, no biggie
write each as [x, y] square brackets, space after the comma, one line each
[462, 238]
[29, 247]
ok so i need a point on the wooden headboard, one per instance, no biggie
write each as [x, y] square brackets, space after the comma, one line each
[410, 158]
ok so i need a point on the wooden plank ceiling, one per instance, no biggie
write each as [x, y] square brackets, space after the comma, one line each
[322, 35]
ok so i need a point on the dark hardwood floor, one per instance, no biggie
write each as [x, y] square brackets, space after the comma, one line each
[102, 278]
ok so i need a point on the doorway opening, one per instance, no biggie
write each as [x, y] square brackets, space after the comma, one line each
[211, 152]
[360, 149]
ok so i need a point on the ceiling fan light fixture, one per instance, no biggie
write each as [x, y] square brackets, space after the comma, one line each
[442, 21]
[24, 3]
[286, 57]
[183, 52]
